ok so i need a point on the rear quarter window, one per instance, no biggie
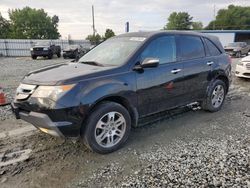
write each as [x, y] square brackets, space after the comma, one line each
[190, 47]
[213, 50]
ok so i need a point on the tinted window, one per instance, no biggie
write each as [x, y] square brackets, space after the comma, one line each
[213, 50]
[163, 48]
[190, 47]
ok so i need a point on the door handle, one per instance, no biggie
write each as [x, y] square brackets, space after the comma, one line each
[210, 63]
[174, 71]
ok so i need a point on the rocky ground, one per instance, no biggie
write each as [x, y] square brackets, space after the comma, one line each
[191, 149]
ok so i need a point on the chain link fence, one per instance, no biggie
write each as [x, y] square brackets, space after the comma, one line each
[21, 47]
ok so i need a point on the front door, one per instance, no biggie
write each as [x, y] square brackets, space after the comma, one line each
[159, 88]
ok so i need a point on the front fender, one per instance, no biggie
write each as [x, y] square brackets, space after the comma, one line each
[98, 91]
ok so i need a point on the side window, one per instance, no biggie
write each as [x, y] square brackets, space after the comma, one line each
[163, 48]
[190, 47]
[213, 50]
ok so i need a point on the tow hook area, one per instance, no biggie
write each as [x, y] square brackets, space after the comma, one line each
[194, 106]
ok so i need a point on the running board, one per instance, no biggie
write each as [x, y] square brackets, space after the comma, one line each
[194, 106]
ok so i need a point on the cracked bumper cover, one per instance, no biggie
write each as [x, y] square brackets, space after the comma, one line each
[43, 122]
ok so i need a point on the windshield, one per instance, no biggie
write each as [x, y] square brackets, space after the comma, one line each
[114, 51]
[234, 44]
[42, 43]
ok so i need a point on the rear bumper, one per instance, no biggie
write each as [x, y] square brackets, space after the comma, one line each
[65, 127]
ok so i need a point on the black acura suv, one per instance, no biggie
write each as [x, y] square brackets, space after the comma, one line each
[123, 79]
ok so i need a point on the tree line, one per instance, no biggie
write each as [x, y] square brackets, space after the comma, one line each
[231, 18]
[29, 23]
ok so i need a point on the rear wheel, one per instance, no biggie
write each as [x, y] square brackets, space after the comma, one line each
[50, 56]
[107, 128]
[238, 54]
[58, 54]
[34, 57]
[215, 97]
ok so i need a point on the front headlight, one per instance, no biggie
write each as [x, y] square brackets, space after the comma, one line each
[45, 48]
[51, 92]
[240, 64]
[31, 49]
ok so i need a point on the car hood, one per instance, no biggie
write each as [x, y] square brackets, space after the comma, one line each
[231, 48]
[40, 46]
[62, 74]
[70, 50]
[246, 59]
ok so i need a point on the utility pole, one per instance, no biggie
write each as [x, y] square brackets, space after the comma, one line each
[93, 18]
[214, 18]
[127, 27]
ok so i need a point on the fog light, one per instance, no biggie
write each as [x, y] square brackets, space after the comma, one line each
[236, 72]
[51, 132]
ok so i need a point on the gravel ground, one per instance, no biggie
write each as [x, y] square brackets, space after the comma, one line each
[201, 163]
[198, 163]
[193, 149]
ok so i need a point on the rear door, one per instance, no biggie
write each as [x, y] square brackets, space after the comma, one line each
[159, 88]
[196, 66]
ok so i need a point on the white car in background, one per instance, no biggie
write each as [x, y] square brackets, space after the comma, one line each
[243, 68]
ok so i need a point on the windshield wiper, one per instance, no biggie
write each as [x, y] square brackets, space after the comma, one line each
[92, 63]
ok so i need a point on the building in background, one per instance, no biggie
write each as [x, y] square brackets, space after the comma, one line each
[229, 36]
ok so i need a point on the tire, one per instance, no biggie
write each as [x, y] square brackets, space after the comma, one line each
[34, 57]
[238, 54]
[50, 56]
[217, 89]
[58, 54]
[97, 134]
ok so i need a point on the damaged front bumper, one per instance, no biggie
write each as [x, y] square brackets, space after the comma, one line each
[56, 127]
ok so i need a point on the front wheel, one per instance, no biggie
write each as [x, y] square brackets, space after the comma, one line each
[215, 96]
[107, 128]
[34, 57]
[50, 56]
[238, 54]
[58, 54]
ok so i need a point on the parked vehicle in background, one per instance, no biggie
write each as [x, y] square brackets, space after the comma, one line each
[122, 80]
[237, 49]
[74, 51]
[45, 49]
[243, 68]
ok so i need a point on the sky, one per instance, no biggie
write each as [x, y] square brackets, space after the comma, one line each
[76, 19]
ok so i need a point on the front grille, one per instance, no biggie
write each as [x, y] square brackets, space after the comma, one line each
[246, 74]
[38, 49]
[24, 91]
[228, 50]
[248, 66]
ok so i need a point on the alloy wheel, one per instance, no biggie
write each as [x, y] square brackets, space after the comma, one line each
[110, 129]
[218, 96]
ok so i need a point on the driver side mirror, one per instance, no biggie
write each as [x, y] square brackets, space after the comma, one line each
[147, 63]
